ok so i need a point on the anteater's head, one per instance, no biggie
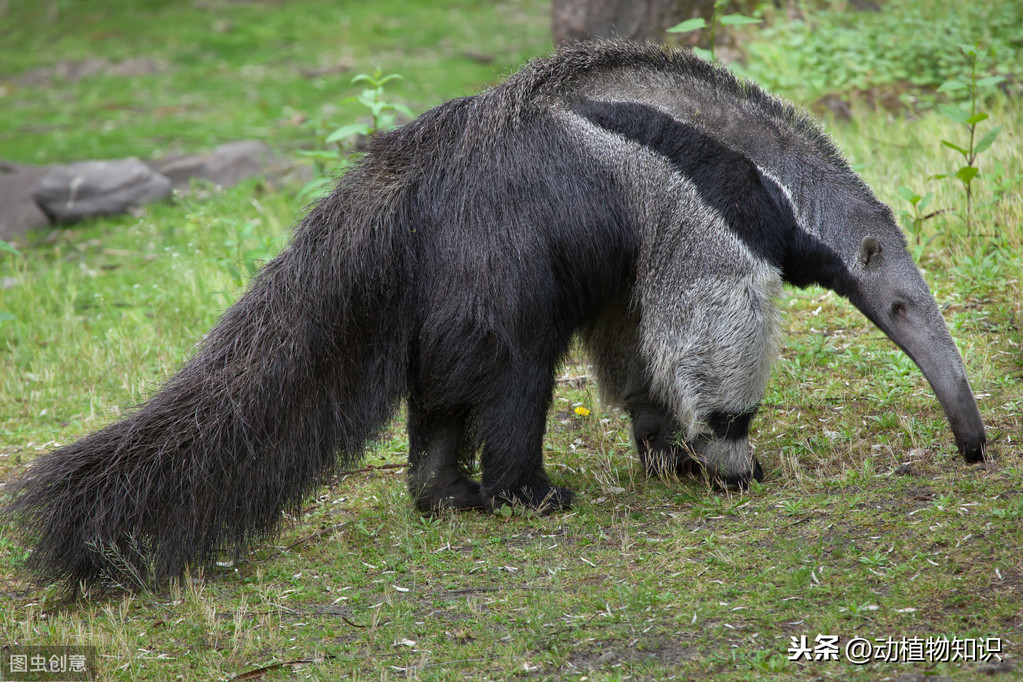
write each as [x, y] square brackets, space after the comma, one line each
[878, 275]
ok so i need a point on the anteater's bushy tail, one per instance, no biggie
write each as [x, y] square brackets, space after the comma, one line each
[295, 377]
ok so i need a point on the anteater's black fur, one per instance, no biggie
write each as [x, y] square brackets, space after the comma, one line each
[418, 266]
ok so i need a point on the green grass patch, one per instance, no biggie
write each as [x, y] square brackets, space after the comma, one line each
[868, 523]
[898, 56]
[139, 78]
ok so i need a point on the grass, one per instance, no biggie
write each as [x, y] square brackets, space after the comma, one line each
[225, 70]
[896, 57]
[868, 523]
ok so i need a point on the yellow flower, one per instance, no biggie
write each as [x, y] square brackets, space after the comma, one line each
[582, 411]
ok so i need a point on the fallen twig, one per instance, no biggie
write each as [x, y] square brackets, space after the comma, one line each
[260, 672]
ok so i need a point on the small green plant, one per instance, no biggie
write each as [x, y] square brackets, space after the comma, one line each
[917, 217]
[853, 608]
[969, 118]
[716, 21]
[794, 507]
[1014, 510]
[1003, 182]
[372, 97]
[876, 560]
[383, 116]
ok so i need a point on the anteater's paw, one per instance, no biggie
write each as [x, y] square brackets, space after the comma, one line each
[973, 451]
[463, 494]
[543, 498]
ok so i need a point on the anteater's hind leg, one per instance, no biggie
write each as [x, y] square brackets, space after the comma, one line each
[511, 429]
[437, 456]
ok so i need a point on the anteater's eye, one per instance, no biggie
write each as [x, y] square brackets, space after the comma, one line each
[898, 309]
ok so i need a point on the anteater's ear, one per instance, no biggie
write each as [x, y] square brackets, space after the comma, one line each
[870, 251]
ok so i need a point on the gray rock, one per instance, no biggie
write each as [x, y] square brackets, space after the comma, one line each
[32, 196]
[69, 70]
[136, 66]
[90, 188]
[225, 166]
[19, 213]
[75, 70]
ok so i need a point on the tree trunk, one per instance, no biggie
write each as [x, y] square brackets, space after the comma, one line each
[634, 19]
